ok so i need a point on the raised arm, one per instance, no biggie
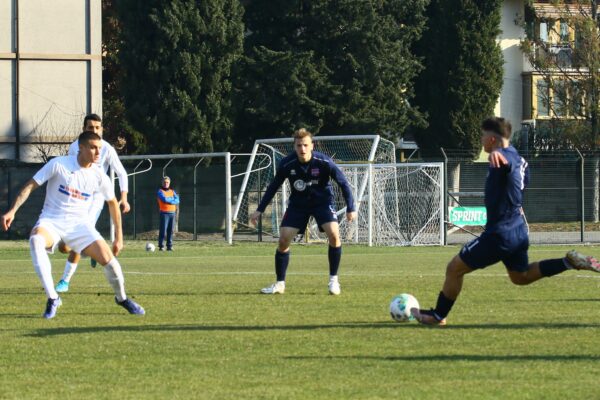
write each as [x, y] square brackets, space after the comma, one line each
[23, 195]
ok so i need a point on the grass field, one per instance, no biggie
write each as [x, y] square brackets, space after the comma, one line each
[209, 334]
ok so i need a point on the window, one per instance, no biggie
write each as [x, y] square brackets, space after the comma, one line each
[564, 32]
[543, 31]
[543, 97]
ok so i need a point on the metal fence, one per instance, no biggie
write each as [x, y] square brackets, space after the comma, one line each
[562, 202]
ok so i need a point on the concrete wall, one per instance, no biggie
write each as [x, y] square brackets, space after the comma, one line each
[50, 73]
[510, 102]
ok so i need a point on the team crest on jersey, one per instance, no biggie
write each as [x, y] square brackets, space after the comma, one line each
[314, 172]
[300, 185]
[293, 172]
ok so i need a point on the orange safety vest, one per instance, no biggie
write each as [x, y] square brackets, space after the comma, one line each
[166, 207]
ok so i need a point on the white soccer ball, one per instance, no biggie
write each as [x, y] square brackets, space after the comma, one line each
[150, 247]
[401, 305]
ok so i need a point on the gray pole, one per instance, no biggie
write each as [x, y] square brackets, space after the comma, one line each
[582, 227]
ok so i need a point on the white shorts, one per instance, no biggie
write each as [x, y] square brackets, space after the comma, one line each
[77, 236]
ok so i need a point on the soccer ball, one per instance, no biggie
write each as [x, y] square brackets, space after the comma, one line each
[400, 307]
[150, 247]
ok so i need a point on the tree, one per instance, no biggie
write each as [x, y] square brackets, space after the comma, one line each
[116, 126]
[340, 67]
[463, 71]
[563, 47]
[176, 60]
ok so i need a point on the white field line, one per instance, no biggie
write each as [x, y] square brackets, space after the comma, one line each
[348, 274]
[270, 256]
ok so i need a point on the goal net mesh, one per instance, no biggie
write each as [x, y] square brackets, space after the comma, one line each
[395, 192]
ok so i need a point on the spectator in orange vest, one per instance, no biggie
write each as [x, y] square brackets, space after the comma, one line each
[167, 204]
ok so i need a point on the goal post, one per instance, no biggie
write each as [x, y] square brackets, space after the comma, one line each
[397, 204]
[261, 170]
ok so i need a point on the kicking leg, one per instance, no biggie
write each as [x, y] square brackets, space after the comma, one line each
[455, 272]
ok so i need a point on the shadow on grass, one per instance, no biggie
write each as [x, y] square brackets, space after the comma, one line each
[458, 357]
[354, 325]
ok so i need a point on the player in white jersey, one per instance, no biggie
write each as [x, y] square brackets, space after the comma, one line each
[108, 159]
[72, 184]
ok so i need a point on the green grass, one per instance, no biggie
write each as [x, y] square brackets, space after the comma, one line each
[209, 334]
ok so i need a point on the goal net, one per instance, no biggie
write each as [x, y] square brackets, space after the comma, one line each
[396, 204]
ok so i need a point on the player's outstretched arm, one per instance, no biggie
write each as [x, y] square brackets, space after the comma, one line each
[23, 195]
[115, 215]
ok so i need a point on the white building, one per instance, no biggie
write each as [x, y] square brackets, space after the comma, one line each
[50, 73]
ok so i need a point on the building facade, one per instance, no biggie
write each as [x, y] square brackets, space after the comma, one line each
[50, 74]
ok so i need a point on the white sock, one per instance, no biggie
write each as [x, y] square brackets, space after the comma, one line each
[333, 278]
[70, 269]
[114, 276]
[42, 265]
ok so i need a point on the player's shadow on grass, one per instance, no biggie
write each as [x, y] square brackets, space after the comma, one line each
[457, 357]
[241, 328]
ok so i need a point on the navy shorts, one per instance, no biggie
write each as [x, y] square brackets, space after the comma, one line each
[296, 217]
[509, 247]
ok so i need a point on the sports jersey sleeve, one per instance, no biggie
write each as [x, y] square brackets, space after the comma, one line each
[45, 173]
[272, 188]
[116, 165]
[338, 176]
[74, 148]
[106, 188]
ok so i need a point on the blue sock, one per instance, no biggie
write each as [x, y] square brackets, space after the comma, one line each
[281, 263]
[335, 255]
[552, 267]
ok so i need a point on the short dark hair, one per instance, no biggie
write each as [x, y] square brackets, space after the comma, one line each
[497, 125]
[91, 117]
[86, 136]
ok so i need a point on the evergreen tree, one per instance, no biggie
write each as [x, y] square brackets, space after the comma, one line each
[341, 67]
[176, 59]
[117, 129]
[463, 73]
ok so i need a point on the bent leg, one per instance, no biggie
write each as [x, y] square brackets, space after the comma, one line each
[332, 230]
[100, 251]
[455, 272]
[282, 255]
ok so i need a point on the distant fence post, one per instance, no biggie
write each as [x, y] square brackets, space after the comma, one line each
[582, 191]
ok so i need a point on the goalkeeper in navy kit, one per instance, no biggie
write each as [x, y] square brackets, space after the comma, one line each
[309, 173]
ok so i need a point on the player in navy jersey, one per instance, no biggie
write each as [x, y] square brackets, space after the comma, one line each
[506, 236]
[309, 173]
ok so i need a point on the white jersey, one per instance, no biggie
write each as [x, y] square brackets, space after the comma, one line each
[71, 188]
[108, 159]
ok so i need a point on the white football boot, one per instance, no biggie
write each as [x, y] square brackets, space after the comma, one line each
[276, 288]
[334, 286]
[580, 262]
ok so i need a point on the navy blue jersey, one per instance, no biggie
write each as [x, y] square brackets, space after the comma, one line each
[504, 188]
[310, 182]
